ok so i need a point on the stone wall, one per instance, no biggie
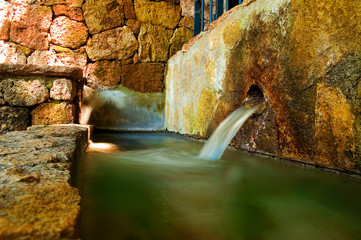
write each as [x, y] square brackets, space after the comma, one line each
[304, 56]
[114, 41]
[38, 95]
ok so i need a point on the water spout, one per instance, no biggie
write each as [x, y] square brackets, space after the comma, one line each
[217, 143]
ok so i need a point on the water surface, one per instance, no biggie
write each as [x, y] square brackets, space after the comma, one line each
[155, 187]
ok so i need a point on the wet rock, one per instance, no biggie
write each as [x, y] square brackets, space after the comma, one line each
[164, 14]
[180, 37]
[5, 11]
[75, 14]
[63, 89]
[36, 168]
[153, 43]
[144, 77]
[117, 44]
[53, 113]
[30, 26]
[68, 33]
[10, 53]
[308, 77]
[103, 74]
[20, 92]
[13, 119]
[102, 15]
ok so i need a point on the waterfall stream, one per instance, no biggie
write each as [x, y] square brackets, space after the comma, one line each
[219, 140]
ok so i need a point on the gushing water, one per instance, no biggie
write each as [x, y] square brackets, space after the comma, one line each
[217, 143]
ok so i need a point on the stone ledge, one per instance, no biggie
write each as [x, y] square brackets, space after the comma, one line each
[43, 70]
[37, 193]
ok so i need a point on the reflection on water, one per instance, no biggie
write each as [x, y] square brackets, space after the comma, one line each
[157, 188]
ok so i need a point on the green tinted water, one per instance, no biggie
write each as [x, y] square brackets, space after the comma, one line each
[156, 188]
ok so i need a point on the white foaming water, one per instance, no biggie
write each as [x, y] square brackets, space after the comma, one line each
[219, 140]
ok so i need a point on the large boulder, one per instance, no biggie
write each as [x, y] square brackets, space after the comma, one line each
[305, 59]
[117, 44]
[102, 15]
[30, 26]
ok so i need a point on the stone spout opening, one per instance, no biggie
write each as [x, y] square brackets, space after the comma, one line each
[255, 95]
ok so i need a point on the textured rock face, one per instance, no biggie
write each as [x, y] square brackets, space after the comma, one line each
[37, 200]
[63, 89]
[69, 59]
[30, 26]
[308, 76]
[118, 44]
[180, 37]
[153, 43]
[13, 119]
[103, 74]
[165, 14]
[53, 113]
[101, 15]
[144, 77]
[68, 33]
[18, 92]
[71, 12]
[5, 11]
[9, 53]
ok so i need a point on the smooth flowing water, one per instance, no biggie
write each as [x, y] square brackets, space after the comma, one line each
[155, 187]
[225, 132]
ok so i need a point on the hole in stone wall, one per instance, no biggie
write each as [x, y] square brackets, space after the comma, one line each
[254, 94]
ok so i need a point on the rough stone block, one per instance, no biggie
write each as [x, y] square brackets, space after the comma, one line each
[144, 77]
[117, 44]
[50, 58]
[102, 15]
[30, 26]
[164, 14]
[5, 11]
[53, 113]
[10, 53]
[180, 37]
[153, 43]
[13, 119]
[68, 33]
[63, 89]
[103, 74]
[20, 92]
[75, 14]
[134, 25]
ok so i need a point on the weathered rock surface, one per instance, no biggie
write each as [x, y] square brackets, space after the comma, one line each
[46, 70]
[20, 92]
[9, 53]
[153, 43]
[180, 37]
[134, 25]
[101, 15]
[103, 74]
[309, 78]
[164, 14]
[69, 59]
[36, 167]
[117, 44]
[13, 119]
[70, 3]
[68, 33]
[5, 11]
[30, 26]
[128, 6]
[75, 14]
[53, 113]
[144, 77]
[63, 89]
